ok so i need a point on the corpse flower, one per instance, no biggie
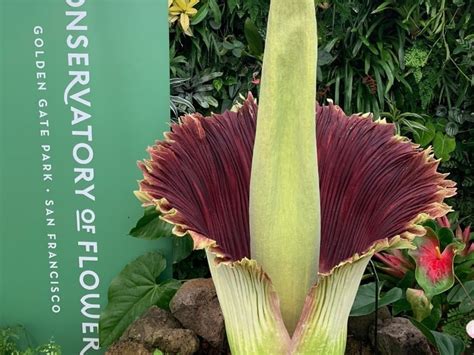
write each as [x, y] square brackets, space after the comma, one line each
[289, 214]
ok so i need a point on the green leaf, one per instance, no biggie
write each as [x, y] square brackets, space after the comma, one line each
[324, 57]
[237, 52]
[460, 293]
[400, 306]
[254, 39]
[182, 247]
[216, 12]
[232, 4]
[452, 129]
[132, 292]
[447, 344]
[366, 64]
[445, 236]
[228, 45]
[434, 318]
[201, 15]
[348, 78]
[443, 145]
[464, 266]
[356, 48]
[158, 352]
[467, 305]
[388, 73]
[380, 85]
[413, 126]
[426, 136]
[382, 7]
[426, 332]
[431, 224]
[407, 280]
[150, 226]
[365, 299]
[218, 84]
[208, 77]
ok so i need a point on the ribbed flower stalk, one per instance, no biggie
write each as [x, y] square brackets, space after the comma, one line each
[284, 188]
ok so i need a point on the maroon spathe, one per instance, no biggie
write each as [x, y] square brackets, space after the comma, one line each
[372, 185]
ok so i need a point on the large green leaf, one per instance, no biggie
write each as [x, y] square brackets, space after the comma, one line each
[254, 39]
[324, 57]
[460, 292]
[132, 292]
[150, 226]
[365, 299]
[216, 14]
[182, 247]
[463, 294]
[201, 15]
[446, 344]
[443, 145]
[445, 236]
[424, 137]
[432, 321]
[464, 266]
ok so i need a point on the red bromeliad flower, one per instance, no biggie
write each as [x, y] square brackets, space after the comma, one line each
[462, 235]
[395, 263]
[443, 221]
[465, 237]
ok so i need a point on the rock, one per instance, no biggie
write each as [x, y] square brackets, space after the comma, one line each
[176, 341]
[159, 329]
[357, 347]
[196, 307]
[127, 347]
[398, 336]
[143, 329]
[360, 327]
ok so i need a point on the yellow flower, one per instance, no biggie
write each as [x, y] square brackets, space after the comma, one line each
[182, 10]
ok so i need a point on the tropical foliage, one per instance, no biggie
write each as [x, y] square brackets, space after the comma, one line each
[143, 282]
[15, 340]
[435, 282]
[409, 61]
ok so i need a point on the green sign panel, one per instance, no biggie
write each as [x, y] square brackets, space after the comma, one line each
[83, 91]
